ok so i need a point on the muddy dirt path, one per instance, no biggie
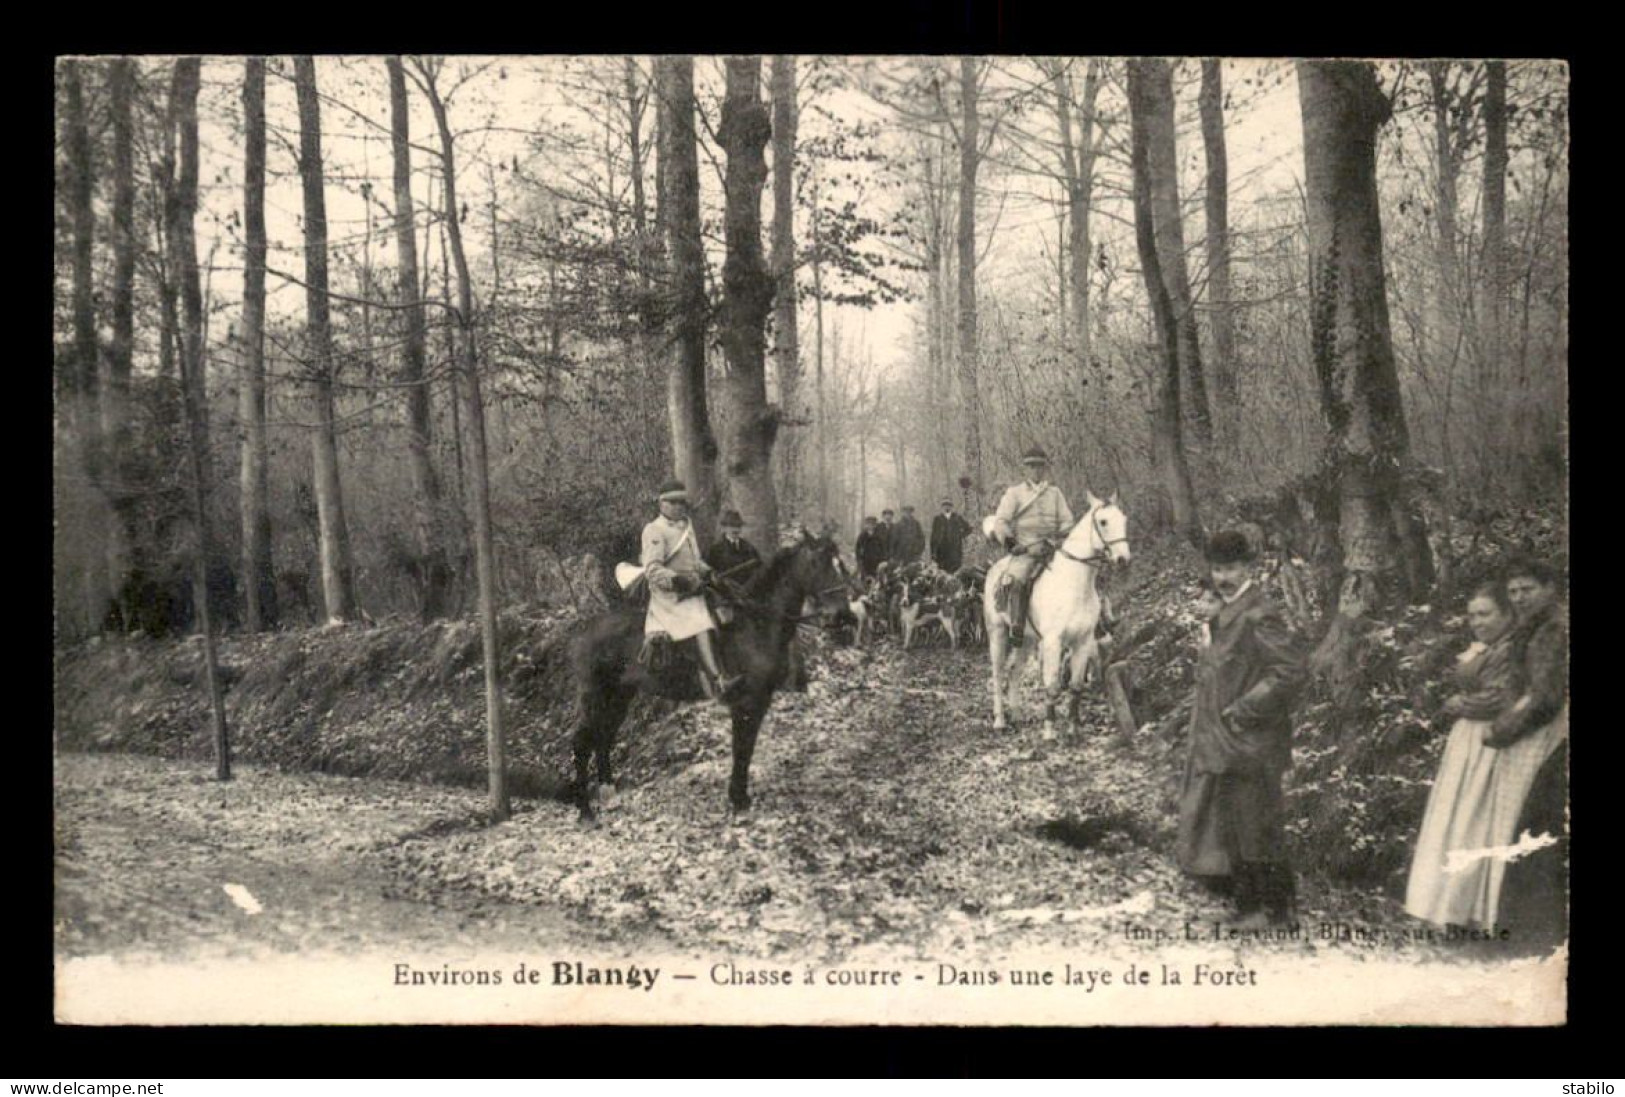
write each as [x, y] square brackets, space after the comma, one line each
[889, 818]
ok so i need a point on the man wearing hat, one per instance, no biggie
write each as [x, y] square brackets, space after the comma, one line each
[731, 554]
[948, 532]
[871, 548]
[732, 558]
[907, 539]
[1031, 518]
[1230, 813]
[676, 575]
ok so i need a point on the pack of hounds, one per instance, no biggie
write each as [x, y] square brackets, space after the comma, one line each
[919, 601]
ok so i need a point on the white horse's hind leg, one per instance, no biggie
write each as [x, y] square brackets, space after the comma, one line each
[1013, 672]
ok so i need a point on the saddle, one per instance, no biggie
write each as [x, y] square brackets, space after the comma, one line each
[660, 654]
[1043, 552]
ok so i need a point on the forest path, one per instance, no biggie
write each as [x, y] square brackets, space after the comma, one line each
[890, 820]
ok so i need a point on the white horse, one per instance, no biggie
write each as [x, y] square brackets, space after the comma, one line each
[1063, 610]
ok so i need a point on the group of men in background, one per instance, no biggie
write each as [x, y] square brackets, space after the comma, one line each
[903, 541]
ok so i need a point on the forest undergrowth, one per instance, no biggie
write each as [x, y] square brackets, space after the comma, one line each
[404, 701]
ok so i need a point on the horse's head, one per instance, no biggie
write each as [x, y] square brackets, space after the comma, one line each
[1102, 532]
[821, 575]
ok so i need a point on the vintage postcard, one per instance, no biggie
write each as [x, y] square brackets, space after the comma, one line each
[889, 540]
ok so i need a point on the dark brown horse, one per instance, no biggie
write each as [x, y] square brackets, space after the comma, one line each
[604, 662]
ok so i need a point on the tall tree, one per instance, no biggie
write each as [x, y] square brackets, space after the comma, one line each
[694, 446]
[116, 396]
[338, 576]
[1167, 434]
[970, 155]
[83, 400]
[818, 355]
[1492, 313]
[1223, 320]
[435, 581]
[1448, 142]
[1078, 172]
[1367, 442]
[1157, 88]
[747, 298]
[259, 577]
[83, 379]
[479, 466]
[786, 351]
[182, 212]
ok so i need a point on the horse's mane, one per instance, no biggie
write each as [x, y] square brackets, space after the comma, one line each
[770, 577]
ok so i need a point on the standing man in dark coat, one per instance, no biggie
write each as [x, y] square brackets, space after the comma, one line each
[733, 561]
[1230, 812]
[731, 551]
[948, 533]
[871, 549]
[907, 540]
[888, 531]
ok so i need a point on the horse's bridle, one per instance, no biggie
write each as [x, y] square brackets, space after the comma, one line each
[1104, 556]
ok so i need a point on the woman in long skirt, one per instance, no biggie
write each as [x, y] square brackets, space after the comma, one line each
[1460, 818]
[1531, 771]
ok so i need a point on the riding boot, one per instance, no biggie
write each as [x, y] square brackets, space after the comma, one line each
[1018, 614]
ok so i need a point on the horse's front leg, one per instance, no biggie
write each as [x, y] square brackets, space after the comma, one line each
[1084, 654]
[586, 737]
[1049, 652]
[996, 656]
[747, 714]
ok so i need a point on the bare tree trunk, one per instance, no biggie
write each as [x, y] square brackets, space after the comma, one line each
[484, 543]
[900, 465]
[83, 396]
[1218, 248]
[786, 351]
[969, 159]
[259, 575]
[694, 446]
[1447, 166]
[818, 359]
[747, 299]
[183, 262]
[123, 550]
[1167, 432]
[1163, 156]
[1079, 162]
[1367, 441]
[338, 591]
[84, 378]
[426, 502]
[1495, 221]
[935, 317]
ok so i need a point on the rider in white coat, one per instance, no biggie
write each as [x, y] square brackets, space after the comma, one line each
[676, 572]
[1031, 518]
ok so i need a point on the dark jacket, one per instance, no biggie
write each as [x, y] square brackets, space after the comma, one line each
[1488, 682]
[907, 541]
[948, 533]
[1540, 647]
[872, 551]
[1246, 682]
[724, 557]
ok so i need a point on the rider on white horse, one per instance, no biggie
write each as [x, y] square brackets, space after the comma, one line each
[1032, 518]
